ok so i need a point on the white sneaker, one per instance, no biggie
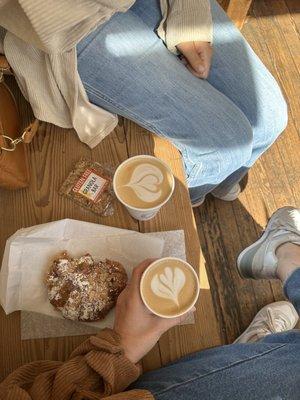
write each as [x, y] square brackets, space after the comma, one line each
[259, 261]
[232, 195]
[273, 318]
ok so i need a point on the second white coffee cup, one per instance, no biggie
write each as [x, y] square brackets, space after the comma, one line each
[150, 182]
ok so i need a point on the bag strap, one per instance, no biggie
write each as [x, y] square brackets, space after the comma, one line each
[4, 66]
[9, 144]
[6, 142]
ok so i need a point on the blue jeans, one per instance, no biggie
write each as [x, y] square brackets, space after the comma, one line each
[266, 370]
[221, 126]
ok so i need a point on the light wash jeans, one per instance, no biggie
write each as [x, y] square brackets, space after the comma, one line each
[221, 126]
[268, 370]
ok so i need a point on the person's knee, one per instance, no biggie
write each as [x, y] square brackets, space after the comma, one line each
[274, 115]
[233, 134]
[237, 151]
[281, 115]
[228, 144]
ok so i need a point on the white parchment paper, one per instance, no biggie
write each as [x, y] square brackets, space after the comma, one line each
[29, 252]
[34, 325]
[26, 258]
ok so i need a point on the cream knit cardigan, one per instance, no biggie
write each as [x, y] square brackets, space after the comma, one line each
[40, 45]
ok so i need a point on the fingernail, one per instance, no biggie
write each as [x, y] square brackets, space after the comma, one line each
[193, 309]
[201, 69]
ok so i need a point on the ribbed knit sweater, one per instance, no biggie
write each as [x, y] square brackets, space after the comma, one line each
[40, 45]
[96, 369]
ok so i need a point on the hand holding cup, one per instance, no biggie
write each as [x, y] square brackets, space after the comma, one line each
[137, 326]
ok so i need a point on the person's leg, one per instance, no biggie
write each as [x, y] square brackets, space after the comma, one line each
[126, 69]
[276, 254]
[239, 74]
[292, 288]
[219, 79]
[288, 271]
[238, 371]
[261, 364]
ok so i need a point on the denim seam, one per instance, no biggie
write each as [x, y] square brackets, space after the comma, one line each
[218, 370]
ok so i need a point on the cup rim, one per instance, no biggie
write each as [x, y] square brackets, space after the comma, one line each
[196, 279]
[137, 208]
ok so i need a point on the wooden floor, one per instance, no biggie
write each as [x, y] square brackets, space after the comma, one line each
[224, 228]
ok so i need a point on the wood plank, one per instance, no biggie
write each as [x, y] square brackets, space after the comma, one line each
[294, 12]
[257, 33]
[271, 37]
[224, 4]
[185, 339]
[281, 31]
[10, 343]
[237, 10]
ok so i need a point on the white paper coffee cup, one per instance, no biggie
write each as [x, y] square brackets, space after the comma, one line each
[143, 214]
[196, 281]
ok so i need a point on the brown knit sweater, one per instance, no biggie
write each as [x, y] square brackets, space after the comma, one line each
[96, 369]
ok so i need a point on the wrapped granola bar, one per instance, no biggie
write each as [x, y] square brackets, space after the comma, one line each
[89, 184]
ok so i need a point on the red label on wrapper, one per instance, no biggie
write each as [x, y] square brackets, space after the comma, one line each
[91, 185]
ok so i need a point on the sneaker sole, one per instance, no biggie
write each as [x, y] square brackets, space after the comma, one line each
[230, 197]
[244, 261]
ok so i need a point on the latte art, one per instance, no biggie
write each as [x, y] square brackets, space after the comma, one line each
[169, 287]
[169, 284]
[143, 182]
[146, 181]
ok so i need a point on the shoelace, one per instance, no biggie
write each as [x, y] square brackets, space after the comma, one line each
[273, 324]
[276, 323]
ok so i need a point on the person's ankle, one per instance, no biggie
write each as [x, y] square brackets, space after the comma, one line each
[288, 256]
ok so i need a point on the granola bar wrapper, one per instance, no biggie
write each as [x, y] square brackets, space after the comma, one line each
[89, 185]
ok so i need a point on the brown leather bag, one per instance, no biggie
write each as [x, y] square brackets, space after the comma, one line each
[14, 172]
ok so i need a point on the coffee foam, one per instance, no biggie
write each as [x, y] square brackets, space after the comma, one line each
[169, 287]
[143, 183]
[146, 180]
[169, 284]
